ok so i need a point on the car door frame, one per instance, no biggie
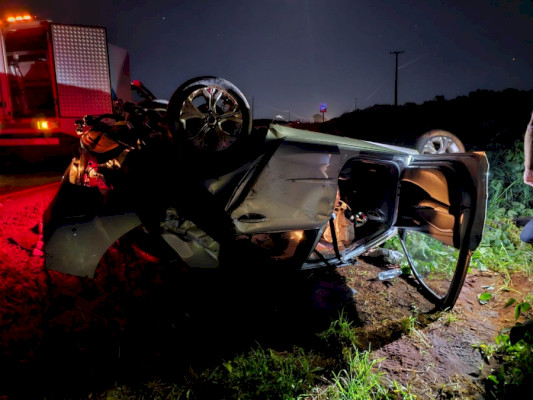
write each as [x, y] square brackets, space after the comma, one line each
[468, 174]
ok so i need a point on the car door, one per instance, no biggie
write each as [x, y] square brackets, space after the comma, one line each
[295, 190]
[441, 214]
[284, 202]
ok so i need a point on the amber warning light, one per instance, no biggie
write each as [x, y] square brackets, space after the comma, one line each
[19, 18]
[45, 125]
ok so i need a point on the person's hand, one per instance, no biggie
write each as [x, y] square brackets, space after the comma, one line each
[528, 177]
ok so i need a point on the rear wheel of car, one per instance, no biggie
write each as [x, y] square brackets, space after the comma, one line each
[439, 142]
[209, 115]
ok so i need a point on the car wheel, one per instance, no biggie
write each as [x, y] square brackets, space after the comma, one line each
[209, 115]
[439, 142]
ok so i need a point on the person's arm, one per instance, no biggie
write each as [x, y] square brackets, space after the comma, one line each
[528, 156]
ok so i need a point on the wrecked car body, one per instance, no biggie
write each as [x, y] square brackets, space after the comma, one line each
[219, 192]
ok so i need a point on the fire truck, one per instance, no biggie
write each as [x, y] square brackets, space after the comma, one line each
[50, 76]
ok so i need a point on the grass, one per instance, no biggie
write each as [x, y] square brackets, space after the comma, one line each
[269, 374]
[515, 367]
[502, 250]
[360, 380]
[259, 374]
[340, 332]
[448, 317]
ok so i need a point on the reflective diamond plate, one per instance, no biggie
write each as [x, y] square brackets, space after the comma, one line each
[82, 70]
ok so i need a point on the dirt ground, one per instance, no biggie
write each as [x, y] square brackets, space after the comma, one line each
[139, 319]
[437, 358]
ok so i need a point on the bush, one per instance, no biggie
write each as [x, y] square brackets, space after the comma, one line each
[501, 248]
[515, 371]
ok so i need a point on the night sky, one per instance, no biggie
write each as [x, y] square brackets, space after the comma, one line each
[291, 55]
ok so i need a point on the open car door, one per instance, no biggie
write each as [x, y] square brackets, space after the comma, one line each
[441, 214]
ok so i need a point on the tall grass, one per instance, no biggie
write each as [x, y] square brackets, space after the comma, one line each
[360, 380]
[294, 374]
[501, 248]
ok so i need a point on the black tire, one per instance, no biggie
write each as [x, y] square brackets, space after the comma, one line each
[209, 115]
[439, 142]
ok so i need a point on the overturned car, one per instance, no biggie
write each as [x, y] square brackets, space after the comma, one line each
[216, 191]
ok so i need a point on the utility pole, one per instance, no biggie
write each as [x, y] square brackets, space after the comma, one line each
[396, 77]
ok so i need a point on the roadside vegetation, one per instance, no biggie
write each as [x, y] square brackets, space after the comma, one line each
[503, 251]
[344, 370]
[296, 374]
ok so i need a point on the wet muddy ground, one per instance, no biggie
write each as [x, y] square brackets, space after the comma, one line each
[435, 356]
[139, 319]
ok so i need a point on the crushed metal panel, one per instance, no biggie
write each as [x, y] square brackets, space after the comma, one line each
[296, 190]
[76, 249]
[82, 70]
